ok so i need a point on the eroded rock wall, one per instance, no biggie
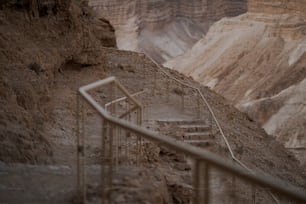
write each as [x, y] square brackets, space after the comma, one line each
[157, 11]
[33, 50]
[163, 29]
[293, 7]
[257, 61]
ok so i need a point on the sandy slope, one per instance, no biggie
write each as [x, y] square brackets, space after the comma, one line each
[32, 56]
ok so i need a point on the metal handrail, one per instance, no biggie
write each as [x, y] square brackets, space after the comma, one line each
[122, 99]
[234, 158]
[214, 118]
[203, 99]
[80, 130]
[210, 110]
[195, 153]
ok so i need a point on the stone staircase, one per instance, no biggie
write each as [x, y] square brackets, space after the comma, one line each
[194, 132]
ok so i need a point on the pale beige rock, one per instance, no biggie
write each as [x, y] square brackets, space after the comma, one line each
[163, 29]
[258, 61]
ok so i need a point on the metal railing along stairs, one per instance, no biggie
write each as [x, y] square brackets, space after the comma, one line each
[200, 98]
[121, 128]
[212, 115]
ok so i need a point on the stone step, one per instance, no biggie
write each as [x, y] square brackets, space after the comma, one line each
[198, 143]
[197, 135]
[182, 122]
[194, 128]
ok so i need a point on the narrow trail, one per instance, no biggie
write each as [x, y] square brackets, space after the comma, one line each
[57, 182]
[163, 113]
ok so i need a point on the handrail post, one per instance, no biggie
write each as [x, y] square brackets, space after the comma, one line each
[155, 81]
[144, 76]
[206, 183]
[139, 122]
[201, 182]
[182, 98]
[110, 170]
[103, 160]
[127, 134]
[196, 182]
[212, 124]
[79, 148]
[82, 150]
[167, 90]
[253, 194]
[198, 107]
[115, 131]
[233, 189]
[138, 146]
[112, 98]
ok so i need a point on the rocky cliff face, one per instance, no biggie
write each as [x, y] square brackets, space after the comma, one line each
[33, 53]
[163, 29]
[257, 61]
[159, 11]
[277, 7]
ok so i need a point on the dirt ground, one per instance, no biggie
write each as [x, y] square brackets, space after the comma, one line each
[43, 65]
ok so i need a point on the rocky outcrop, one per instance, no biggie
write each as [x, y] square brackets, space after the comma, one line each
[278, 7]
[31, 56]
[163, 29]
[257, 61]
[160, 11]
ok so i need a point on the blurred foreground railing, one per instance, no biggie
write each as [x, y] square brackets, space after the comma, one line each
[123, 140]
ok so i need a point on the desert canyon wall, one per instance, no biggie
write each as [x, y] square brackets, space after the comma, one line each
[164, 29]
[296, 7]
[253, 52]
[258, 61]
